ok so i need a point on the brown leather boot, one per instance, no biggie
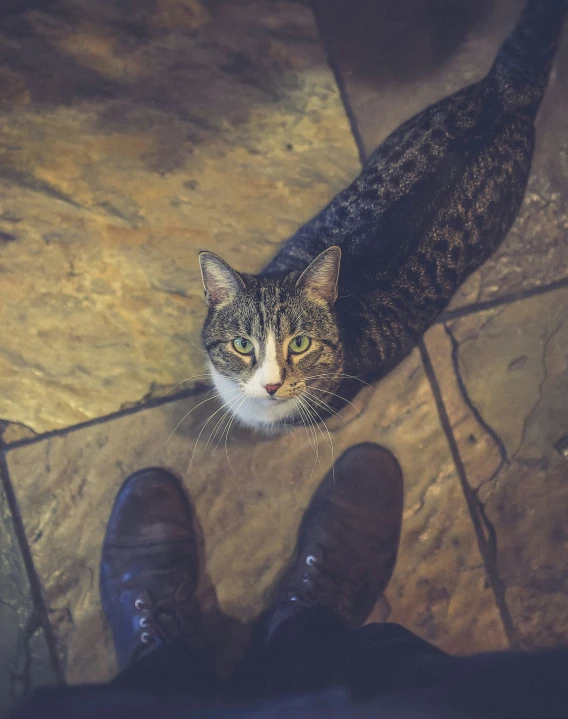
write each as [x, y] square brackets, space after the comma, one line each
[348, 539]
[149, 565]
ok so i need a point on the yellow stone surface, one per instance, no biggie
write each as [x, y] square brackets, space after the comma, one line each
[248, 513]
[509, 386]
[132, 140]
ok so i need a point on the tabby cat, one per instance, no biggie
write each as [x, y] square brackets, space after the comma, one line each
[429, 207]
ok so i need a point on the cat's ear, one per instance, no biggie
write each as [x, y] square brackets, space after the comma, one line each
[319, 279]
[221, 283]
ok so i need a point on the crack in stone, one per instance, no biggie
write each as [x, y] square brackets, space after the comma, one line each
[484, 530]
[39, 614]
[490, 536]
[470, 309]
[397, 421]
[127, 409]
[540, 387]
[475, 410]
[20, 681]
[490, 533]
[423, 493]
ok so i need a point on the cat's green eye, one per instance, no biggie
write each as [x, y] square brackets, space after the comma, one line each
[299, 344]
[243, 346]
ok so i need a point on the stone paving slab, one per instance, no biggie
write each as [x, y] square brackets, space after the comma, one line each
[133, 135]
[24, 656]
[504, 380]
[248, 518]
[397, 58]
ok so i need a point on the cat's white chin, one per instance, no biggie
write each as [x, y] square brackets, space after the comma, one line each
[264, 414]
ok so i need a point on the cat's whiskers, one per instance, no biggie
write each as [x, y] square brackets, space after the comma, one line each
[220, 394]
[311, 412]
[195, 376]
[313, 432]
[303, 415]
[229, 427]
[310, 422]
[343, 399]
[324, 405]
[225, 404]
[226, 416]
[310, 404]
[229, 406]
[234, 415]
[330, 439]
[199, 349]
[316, 447]
[334, 376]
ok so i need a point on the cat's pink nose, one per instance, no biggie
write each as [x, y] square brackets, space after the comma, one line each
[272, 388]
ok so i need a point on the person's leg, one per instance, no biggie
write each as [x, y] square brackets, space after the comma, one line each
[508, 685]
[347, 548]
[149, 573]
[380, 658]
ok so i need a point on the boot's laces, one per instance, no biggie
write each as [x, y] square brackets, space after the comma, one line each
[163, 618]
[320, 586]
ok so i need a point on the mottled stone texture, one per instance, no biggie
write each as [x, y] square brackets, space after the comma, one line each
[24, 657]
[506, 391]
[249, 512]
[396, 58]
[131, 136]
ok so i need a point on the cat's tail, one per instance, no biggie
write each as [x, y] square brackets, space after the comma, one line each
[523, 63]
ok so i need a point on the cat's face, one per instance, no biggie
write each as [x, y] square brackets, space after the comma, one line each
[273, 343]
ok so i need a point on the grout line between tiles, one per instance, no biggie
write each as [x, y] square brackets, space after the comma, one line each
[33, 578]
[500, 301]
[341, 86]
[486, 540]
[9, 446]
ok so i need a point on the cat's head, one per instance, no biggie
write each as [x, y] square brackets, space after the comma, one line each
[272, 341]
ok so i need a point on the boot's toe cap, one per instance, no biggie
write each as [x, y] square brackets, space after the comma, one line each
[151, 507]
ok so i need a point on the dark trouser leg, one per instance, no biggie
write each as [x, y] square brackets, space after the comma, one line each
[301, 655]
[173, 669]
[171, 675]
[401, 674]
[490, 686]
[314, 649]
[384, 657]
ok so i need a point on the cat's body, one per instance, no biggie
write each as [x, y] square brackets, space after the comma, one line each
[430, 206]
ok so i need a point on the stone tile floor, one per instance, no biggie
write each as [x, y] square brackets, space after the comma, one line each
[134, 134]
